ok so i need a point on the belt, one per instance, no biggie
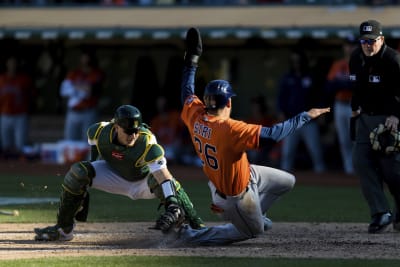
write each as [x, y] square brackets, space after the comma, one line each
[373, 113]
[222, 195]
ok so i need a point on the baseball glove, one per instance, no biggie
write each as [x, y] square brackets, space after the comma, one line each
[384, 140]
[173, 217]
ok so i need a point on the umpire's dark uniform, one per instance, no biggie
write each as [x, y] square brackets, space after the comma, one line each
[376, 84]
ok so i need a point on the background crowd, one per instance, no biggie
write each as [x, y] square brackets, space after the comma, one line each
[70, 86]
[197, 2]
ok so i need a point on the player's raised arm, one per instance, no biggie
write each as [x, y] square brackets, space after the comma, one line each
[193, 52]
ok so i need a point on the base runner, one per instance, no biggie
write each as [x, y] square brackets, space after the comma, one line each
[241, 192]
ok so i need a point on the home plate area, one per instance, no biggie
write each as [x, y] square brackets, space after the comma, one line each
[284, 240]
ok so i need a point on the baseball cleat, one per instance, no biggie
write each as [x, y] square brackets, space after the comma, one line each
[53, 233]
[380, 222]
[173, 217]
[267, 223]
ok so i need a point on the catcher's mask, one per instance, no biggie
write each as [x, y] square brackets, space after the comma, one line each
[384, 140]
[128, 118]
[217, 94]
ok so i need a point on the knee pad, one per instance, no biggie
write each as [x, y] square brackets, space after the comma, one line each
[79, 176]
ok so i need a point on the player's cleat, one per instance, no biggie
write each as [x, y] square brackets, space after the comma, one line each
[54, 233]
[380, 222]
[267, 223]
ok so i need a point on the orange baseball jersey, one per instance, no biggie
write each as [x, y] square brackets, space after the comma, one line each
[15, 94]
[92, 78]
[340, 70]
[221, 144]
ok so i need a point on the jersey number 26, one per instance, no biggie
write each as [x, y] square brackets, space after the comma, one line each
[207, 152]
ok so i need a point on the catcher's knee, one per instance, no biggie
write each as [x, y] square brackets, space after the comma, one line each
[78, 177]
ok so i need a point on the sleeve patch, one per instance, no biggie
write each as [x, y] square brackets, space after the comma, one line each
[189, 100]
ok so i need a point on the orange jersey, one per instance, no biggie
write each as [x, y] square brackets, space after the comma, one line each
[340, 70]
[15, 94]
[221, 144]
[91, 79]
[167, 126]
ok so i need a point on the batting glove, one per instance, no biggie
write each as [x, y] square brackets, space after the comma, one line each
[194, 47]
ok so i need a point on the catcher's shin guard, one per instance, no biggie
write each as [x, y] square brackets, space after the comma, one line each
[83, 211]
[190, 213]
[70, 205]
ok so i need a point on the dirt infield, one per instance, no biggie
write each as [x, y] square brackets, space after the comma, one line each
[289, 240]
[292, 240]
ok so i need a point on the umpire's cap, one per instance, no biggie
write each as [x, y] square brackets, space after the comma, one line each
[370, 29]
[220, 91]
[129, 118]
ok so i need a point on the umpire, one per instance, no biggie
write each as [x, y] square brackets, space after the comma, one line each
[375, 76]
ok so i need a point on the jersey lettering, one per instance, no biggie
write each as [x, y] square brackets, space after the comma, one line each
[202, 130]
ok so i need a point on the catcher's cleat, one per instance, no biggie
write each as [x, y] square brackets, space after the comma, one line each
[380, 222]
[173, 217]
[197, 224]
[193, 224]
[54, 233]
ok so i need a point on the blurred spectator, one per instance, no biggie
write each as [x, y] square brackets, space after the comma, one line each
[115, 2]
[168, 127]
[294, 97]
[82, 88]
[50, 72]
[338, 84]
[16, 98]
[260, 114]
[226, 2]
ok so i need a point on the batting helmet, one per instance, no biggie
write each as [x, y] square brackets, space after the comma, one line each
[384, 140]
[217, 94]
[129, 118]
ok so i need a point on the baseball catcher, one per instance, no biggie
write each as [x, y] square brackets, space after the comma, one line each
[126, 160]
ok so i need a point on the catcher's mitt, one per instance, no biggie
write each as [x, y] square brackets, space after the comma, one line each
[384, 140]
[174, 216]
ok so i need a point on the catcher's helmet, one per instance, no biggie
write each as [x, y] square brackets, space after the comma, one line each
[217, 94]
[129, 118]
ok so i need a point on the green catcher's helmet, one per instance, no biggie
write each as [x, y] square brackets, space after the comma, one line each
[128, 118]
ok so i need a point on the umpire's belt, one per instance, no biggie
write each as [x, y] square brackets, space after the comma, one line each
[373, 113]
[222, 195]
